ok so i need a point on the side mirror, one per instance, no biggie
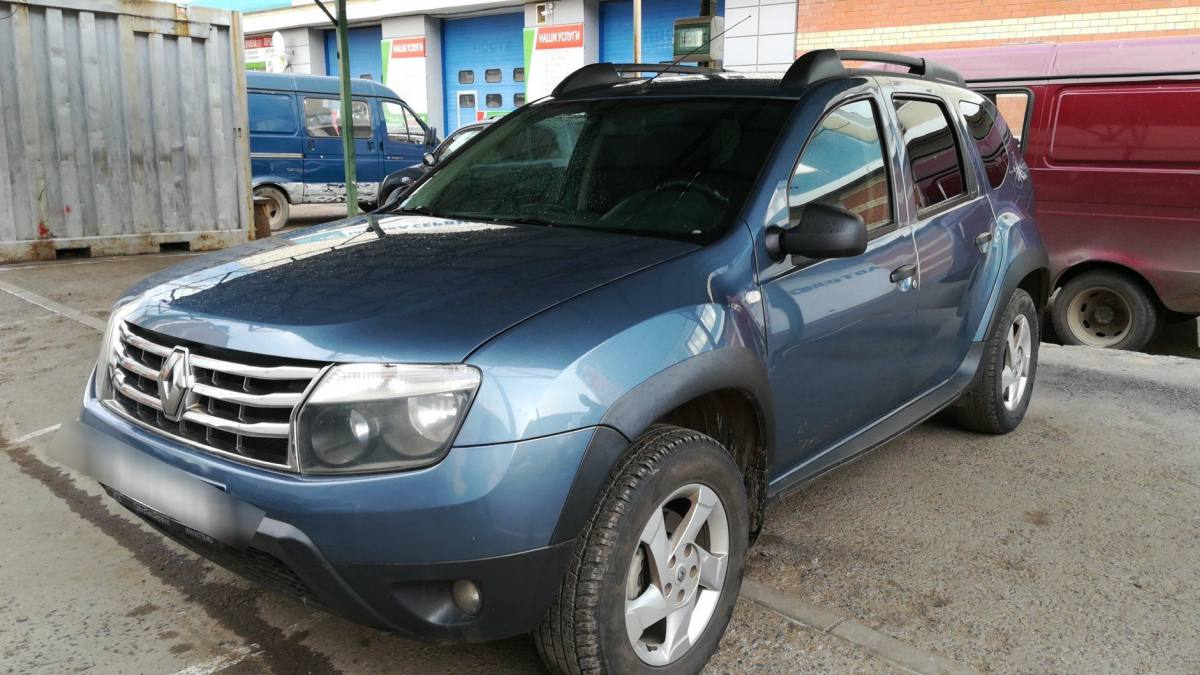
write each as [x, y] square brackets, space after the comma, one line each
[818, 231]
[429, 159]
[394, 197]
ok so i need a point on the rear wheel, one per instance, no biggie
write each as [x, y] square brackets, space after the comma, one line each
[277, 210]
[658, 568]
[996, 402]
[1105, 309]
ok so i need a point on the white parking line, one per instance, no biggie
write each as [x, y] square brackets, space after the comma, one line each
[899, 654]
[220, 663]
[52, 306]
[59, 263]
[34, 434]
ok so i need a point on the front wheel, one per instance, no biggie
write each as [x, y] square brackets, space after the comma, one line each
[658, 567]
[997, 400]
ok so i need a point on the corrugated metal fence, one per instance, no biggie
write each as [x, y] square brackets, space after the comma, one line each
[122, 128]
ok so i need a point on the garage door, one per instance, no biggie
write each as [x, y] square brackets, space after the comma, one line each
[484, 62]
[365, 56]
[658, 24]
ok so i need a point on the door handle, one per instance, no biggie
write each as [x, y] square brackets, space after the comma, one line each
[903, 272]
[370, 145]
[983, 240]
[312, 145]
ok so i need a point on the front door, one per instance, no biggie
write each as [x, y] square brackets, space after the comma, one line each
[951, 225]
[324, 156]
[840, 330]
[404, 140]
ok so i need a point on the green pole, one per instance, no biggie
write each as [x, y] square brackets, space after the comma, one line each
[343, 41]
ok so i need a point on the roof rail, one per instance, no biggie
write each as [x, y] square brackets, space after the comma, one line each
[821, 64]
[606, 74]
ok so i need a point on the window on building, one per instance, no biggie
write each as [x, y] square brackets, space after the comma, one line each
[1013, 107]
[271, 113]
[402, 123]
[933, 152]
[466, 77]
[518, 74]
[493, 100]
[323, 118]
[844, 165]
[518, 100]
[491, 75]
[991, 139]
[466, 100]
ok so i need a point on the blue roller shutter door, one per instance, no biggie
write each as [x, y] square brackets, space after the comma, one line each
[658, 24]
[474, 51]
[366, 57]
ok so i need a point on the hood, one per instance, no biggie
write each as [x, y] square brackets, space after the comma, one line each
[431, 290]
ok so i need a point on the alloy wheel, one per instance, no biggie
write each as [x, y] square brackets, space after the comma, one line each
[1018, 356]
[677, 574]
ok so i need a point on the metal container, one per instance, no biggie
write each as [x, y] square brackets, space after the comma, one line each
[122, 129]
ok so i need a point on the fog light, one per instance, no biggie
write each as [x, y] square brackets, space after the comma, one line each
[466, 596]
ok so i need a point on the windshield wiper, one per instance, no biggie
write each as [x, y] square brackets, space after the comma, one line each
[418, 211]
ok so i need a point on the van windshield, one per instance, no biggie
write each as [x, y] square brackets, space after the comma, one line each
[673, 168]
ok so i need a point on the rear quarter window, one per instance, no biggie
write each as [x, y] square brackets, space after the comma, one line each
[271, 113]
[1129, 126]
[990, 137]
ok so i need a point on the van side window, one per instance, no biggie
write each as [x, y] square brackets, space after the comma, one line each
[402, 124]
[843, 165]
[991, 139]
[1012, 107]
[271, 113]
[933, 152]
[323, 118]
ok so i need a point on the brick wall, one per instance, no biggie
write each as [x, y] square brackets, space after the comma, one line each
[900, 25]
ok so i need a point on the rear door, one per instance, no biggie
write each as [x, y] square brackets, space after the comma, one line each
[324, 157]
[951, 220]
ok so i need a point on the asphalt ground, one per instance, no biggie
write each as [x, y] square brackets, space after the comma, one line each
[1066, 546]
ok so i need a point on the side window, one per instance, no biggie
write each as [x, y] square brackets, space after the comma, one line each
[844, 165]
[402, 124]
[1013, 107]
[991, 139]
[466, 100]
[271, 113]
[491, 75]
[466, 77]
[322, 118]
[933, 152]
[493, 100]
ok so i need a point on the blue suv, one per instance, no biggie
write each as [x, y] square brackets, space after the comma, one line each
[553, 387]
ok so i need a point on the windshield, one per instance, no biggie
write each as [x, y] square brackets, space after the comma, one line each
[456, 141]
[672, 168]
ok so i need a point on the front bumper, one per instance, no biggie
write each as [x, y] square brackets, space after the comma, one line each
[382, 550]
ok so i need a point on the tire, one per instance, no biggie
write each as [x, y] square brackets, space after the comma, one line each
[585, 629]
[996, 403]
[1105, 309]
[278, 211]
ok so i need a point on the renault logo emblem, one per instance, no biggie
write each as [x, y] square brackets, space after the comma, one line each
[175, 384]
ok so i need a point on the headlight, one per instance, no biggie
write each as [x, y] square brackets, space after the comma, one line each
[378, 417]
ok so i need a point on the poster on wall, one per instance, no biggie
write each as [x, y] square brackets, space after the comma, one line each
[258, 50]
[404, 71]
[551, 53]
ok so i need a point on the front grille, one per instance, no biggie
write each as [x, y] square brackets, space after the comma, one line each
[238, 408]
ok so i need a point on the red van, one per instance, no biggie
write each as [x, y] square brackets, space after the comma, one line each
[1111, 134]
